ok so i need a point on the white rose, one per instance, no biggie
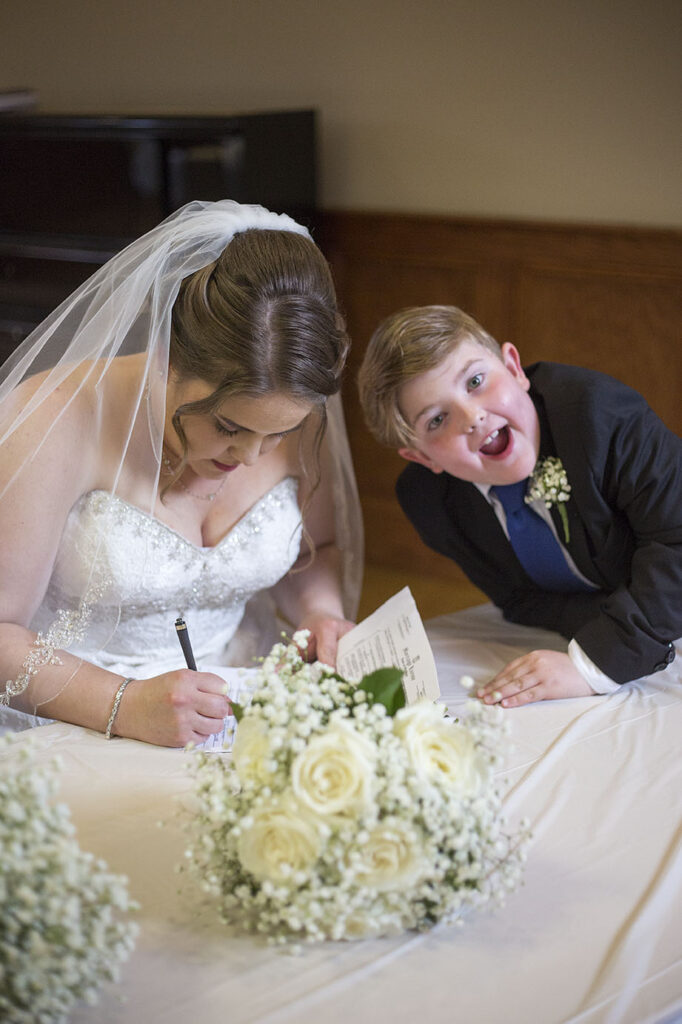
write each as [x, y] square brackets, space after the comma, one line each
[441, 751]
[333, 776]
[390, 857]
[280, 841]
[251, 750]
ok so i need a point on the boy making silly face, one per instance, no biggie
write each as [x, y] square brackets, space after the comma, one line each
[475, 426]
[472, 416]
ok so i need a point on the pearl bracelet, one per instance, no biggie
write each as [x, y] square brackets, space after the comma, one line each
[114, 706]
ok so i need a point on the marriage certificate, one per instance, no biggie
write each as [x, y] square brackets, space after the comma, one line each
[393, 635]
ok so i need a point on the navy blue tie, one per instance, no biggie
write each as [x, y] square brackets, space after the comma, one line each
[534, 544]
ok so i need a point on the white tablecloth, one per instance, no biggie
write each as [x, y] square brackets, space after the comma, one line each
[594, 934]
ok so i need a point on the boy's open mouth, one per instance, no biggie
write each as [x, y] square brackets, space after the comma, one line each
[496, 442]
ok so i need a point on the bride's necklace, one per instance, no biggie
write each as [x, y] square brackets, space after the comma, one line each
[201, 497]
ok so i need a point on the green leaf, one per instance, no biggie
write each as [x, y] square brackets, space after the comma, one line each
[385, 686]
[237, 711]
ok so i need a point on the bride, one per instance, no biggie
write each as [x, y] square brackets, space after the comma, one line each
[172, 445]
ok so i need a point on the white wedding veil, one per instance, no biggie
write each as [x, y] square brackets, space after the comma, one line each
[125, 309]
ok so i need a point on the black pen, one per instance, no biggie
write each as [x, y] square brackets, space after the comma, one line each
[183, 637]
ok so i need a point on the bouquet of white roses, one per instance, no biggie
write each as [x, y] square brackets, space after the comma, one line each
[60, 938]
[344, 814]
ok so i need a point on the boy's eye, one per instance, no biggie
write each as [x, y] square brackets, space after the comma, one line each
[475, 381]
[435, 422]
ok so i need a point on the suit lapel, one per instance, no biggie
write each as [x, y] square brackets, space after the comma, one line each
[578, 544]
[483, 530]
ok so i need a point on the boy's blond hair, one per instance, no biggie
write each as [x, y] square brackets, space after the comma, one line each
[405, 345]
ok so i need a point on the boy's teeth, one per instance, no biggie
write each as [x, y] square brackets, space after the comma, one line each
[496, 442]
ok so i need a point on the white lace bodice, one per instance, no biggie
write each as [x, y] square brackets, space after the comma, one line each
[145, 575]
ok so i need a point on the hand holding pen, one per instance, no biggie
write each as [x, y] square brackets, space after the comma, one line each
[177, 707]
[183, 637]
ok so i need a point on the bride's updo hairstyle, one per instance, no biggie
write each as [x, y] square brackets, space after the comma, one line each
[262, 318]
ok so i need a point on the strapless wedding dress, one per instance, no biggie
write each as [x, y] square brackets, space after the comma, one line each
[146, 575]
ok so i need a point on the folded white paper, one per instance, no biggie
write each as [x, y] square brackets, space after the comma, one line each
[393, 635]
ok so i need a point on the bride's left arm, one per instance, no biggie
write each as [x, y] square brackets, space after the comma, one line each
[310, 595]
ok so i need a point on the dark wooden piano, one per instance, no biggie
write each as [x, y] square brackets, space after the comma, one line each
[76, 189]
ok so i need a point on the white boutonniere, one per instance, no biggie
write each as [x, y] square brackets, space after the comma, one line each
[549, 483]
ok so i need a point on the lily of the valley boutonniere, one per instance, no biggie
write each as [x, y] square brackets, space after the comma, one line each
[549, 483]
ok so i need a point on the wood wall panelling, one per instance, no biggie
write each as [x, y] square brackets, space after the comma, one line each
[624, 325]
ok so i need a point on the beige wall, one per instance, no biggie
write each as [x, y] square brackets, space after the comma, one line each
[560, 109]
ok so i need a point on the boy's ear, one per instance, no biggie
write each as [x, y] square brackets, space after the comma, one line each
[414, 455]
[512, 360]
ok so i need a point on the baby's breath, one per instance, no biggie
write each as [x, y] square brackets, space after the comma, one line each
[60, 933]
[335, 820]
[549, 483]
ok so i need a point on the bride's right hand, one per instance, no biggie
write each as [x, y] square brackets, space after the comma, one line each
[173, 709]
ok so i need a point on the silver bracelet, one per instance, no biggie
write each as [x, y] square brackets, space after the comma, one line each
[114, 706]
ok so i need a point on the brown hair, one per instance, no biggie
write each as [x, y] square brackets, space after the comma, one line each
[261, 318]
[405, 345]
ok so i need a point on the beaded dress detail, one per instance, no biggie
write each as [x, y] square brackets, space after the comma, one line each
[150, 574]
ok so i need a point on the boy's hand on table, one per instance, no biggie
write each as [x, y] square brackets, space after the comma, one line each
[540, 675]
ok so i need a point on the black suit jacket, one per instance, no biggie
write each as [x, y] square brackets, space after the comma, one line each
[625, 517]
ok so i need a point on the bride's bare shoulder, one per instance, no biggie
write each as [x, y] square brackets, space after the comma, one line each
[64, 402]
[73, 393]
